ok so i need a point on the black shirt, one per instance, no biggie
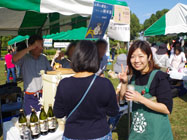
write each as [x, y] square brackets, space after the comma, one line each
[159, 87]
[89, 120]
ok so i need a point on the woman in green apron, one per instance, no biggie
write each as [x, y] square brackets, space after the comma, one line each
[149, 118]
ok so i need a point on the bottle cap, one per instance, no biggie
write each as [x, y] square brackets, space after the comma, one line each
[21, 110]
[33, 109]
[50, 104]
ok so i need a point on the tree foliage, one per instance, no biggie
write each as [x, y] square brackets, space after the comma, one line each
[150, 21]
[153, 18]
[4, 40]
[134, 26]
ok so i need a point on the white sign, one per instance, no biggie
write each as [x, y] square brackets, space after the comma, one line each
[48, 42]
[119, 32]
[61, 44]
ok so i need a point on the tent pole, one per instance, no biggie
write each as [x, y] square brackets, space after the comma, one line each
[128, 103]
[129, 118]
[27, 42]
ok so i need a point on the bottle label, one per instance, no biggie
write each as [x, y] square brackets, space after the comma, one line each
[35, 128]
[52, 122]
[22, 128]
[44, 125]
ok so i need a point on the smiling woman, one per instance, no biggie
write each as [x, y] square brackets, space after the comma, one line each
[140, 58]
[150, 119]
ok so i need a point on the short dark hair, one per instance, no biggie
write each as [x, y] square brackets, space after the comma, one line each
[9, 50]
[175, 44]
[177, 48]
[71, 45]
[34, 38]
[21, 46]
[101, 41]
[144, 47]
[85, 57]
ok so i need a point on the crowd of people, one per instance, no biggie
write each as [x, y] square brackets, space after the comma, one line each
[170, 58]
[87, 98]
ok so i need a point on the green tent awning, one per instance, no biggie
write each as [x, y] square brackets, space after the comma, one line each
[173, 22]
[114, 2]
[75, 34]
[17, 39]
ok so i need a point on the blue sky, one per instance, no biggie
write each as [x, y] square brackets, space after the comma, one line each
[144, 8]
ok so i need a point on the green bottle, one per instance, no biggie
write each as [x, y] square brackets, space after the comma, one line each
[34, 125]
[43, 122]
[22, 117]
[22, 123]
[51, 119]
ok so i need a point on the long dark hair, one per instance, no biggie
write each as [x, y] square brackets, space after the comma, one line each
[145, 48]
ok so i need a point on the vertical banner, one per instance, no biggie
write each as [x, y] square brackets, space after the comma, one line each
[101, 16]
[121, 14]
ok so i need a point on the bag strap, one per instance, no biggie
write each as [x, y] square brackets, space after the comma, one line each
[89, 87]
[153, 73]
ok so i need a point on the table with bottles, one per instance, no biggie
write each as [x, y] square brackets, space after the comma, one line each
[11, 132]
[41, 126]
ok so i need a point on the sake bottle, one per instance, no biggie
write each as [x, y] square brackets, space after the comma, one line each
[22, 123]
[34, 125]
[43, 122]
[51, 119]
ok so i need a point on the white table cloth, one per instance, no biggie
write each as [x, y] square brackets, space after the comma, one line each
[178, 75]
[11, 132]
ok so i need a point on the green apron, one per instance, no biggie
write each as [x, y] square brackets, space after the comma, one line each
[146, 123]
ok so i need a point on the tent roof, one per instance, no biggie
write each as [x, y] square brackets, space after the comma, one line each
[17, 39]
[75, 34]
[173, 22]
[25, 16]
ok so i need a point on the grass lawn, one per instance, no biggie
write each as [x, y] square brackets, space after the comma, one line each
[178, 118]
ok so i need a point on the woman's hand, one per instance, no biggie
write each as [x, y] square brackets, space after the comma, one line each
[123, 75]
[132, 95]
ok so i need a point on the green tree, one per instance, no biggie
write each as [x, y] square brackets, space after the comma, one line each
[150, 21]
[4, 42]
[113, 42]
[154, 17]
[134, 26]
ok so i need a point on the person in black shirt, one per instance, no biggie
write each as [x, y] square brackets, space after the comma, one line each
[89, 120]
[150, 118]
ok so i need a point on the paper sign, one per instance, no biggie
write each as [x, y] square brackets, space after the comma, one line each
[101, 16]
[119, 32]
[48, 42]
[121, 14]
[61, 44]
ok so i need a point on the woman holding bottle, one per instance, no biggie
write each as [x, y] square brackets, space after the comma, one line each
[149, 118]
